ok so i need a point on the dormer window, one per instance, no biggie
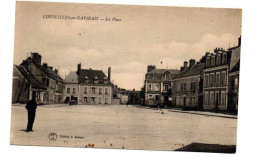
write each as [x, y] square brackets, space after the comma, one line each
[105, 80]
[167, 75]
[96, 79]
[86, 79]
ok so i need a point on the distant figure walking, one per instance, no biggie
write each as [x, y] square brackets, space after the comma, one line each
[31, 107]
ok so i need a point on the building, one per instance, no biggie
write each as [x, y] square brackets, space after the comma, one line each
[48, 77]
[88, 86]
[134, 97]
[217, 73]
[187, 88]
[25, 85]
[158, 84]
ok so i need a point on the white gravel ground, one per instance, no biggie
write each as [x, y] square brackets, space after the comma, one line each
[118, 126]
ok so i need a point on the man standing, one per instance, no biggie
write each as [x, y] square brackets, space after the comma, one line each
[31, 107]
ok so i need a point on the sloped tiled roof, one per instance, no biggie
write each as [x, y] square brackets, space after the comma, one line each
[161, 71]
[35, 83]
[91, 75]
[194, 70]
[47, 71]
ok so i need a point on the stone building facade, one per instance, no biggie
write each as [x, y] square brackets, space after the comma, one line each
[88, 86]
[48, 77]
[158, 84]
[187, 86]
[216, 77]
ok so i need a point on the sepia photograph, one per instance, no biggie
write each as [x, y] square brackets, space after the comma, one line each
[139, 77]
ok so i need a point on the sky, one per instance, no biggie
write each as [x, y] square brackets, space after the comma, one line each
[144, 35]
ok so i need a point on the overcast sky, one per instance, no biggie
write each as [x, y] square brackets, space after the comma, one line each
[145, 35]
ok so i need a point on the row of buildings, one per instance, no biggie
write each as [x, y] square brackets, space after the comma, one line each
[210, 84]
[85, 86]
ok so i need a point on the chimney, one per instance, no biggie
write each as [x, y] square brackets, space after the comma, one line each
[45, 65]
[109, 73]
[36, 56]
[79, 69]
[25, 64]
[150, 68]
[239, 41]
[192, 62]
[56, 71]
[185, 65]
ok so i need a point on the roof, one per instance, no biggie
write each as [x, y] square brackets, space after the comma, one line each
[30, 78]
[91, 75]
[161, 71]
[193, 71]
[72, 77]
[236, 67]
[48, 71]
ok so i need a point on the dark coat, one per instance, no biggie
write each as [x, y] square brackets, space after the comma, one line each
[31, 105]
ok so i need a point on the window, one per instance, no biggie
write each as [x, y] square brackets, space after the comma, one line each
[192, 86]
[149, 87]
[211, 80]
[211, 98]
[100, 90]
[106, 101]
[217, 79]
[223, 98]
[99, 100]
[223, 78]
[93, 90]
[68, 90]
[157, 87]
[106, 91]
[166, 87]
[207, 80]
[150, 97]
[92, 99]
[86, 99]
[85, 90]
[74, 90]
[206, 99]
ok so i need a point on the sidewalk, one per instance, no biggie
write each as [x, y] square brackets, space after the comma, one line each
[205, 113]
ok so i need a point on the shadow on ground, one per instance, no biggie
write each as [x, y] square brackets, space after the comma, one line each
[214, 148]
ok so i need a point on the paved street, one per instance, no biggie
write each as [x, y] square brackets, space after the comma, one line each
[118, 126]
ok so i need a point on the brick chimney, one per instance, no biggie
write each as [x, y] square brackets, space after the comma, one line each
[185, 64]
[79, 69]
[109, 73]
[150, 68]
[56, 71]
[45, 65]
[192, 62]
[36, 56]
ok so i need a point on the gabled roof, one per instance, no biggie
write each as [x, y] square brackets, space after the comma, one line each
[91, 76]
[193, 71]
[47, 71]
[35, 83]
